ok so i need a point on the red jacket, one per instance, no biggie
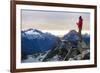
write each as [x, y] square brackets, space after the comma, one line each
[80, 23]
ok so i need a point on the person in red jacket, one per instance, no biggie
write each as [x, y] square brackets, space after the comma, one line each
[80, 24]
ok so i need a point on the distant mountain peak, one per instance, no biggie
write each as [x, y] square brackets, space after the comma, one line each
[71, 36]
[73, 32]
[32, 33]
[31, 30]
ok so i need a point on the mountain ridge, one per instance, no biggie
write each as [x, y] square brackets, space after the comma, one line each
[35, 41]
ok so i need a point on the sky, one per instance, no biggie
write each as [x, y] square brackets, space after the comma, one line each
[53, 20]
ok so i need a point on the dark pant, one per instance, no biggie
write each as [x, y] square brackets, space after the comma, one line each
[80, 35]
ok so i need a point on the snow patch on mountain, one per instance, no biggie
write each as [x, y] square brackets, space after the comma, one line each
[33, 40]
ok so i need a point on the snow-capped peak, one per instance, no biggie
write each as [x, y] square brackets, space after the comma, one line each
[33, 31]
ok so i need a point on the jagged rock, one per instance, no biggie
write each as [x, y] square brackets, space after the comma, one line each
[87, 56]
[66, 52]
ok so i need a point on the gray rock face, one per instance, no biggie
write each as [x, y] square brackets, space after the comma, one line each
[65, 50]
